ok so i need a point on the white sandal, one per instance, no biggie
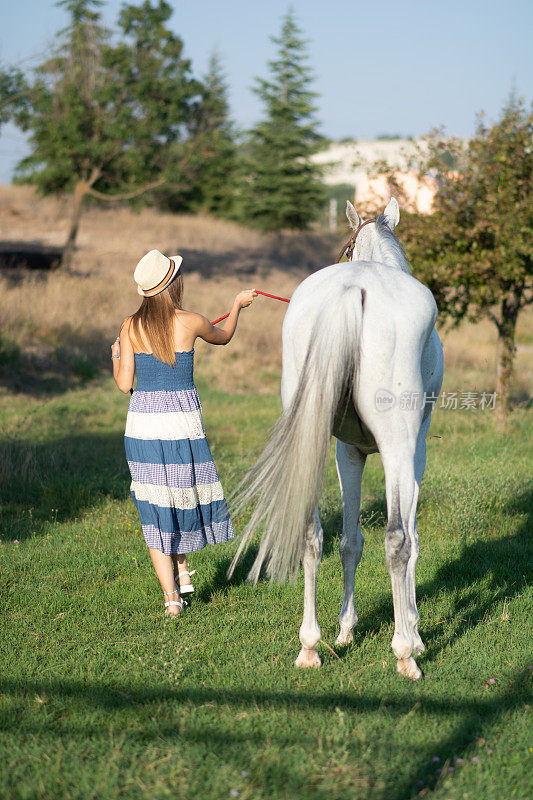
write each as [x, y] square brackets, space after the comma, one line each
[180, 603]
[189, 588]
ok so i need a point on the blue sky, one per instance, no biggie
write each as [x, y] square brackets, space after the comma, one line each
[381, 67]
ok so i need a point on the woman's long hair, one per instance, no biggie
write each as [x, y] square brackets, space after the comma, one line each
[155, 317]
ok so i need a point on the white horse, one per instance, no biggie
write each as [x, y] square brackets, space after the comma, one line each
[362, 361]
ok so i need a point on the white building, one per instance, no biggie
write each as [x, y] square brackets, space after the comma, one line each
[349, 162]
[352, 164]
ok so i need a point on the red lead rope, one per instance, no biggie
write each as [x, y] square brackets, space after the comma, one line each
[265, 294]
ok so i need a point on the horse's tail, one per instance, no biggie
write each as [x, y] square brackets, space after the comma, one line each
[287, 478]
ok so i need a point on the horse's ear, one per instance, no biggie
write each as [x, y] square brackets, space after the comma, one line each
[353, 217]
[392, 213]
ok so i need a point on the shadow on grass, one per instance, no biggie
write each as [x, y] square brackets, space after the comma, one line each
[17, 257]
[220, 581]
[505, 562]
[307, 251]
[58, 480]
[373, 514]
[70, 360]
[475, 717]
[332, 523]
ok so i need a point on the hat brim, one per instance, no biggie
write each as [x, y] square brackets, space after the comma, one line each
[177, 266]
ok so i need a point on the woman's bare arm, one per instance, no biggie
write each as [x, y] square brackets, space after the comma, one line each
[223, 333]
[123, 367]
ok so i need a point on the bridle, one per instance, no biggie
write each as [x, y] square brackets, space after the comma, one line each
[350, 244]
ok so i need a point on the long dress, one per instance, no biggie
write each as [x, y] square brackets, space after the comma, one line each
[174, 482]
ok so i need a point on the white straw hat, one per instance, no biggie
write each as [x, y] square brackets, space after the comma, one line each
[155, 272]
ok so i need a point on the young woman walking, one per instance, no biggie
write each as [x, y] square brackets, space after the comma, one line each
[174, 482]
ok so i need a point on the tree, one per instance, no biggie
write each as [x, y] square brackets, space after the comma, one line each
[159, 104]
[475, 250]
[13, 90]
[284, 187]
[108, 121]
[216, 134]
[214, 162]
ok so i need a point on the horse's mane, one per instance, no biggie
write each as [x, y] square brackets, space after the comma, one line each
[391, 246]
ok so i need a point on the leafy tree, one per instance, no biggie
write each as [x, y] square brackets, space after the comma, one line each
[475, 250]
[13, 91]
[159, 102]
[285, 189]
[108, 121]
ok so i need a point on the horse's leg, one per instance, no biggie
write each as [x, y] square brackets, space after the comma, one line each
[309, 629]
[400, 484]
[350, 464]
[419, 466]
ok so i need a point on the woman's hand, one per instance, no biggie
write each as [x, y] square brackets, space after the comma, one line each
[245, 298]
[115, 348]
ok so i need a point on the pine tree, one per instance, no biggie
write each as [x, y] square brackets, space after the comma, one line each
[285, 189]
[214, 137]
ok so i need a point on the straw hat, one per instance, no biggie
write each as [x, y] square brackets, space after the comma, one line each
[155, 272]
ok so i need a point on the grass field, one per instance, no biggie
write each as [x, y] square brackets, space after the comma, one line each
[100, 697]
[103, 698]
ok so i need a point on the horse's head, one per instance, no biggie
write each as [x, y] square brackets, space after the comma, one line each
[364, 243]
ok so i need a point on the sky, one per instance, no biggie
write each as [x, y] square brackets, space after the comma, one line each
[382, 66]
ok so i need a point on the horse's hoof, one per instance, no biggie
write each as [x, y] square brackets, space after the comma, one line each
[308, 658]
[345, 637]
[409, 668]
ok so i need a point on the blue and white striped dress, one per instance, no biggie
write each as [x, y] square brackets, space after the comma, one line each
[174, 482]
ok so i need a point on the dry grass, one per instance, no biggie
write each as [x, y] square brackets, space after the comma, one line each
[83, 309]
[56, 314]
[470, 357]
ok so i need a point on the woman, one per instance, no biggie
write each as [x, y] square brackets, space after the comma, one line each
[175, 484]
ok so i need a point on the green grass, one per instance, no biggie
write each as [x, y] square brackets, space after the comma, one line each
[103, 698]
